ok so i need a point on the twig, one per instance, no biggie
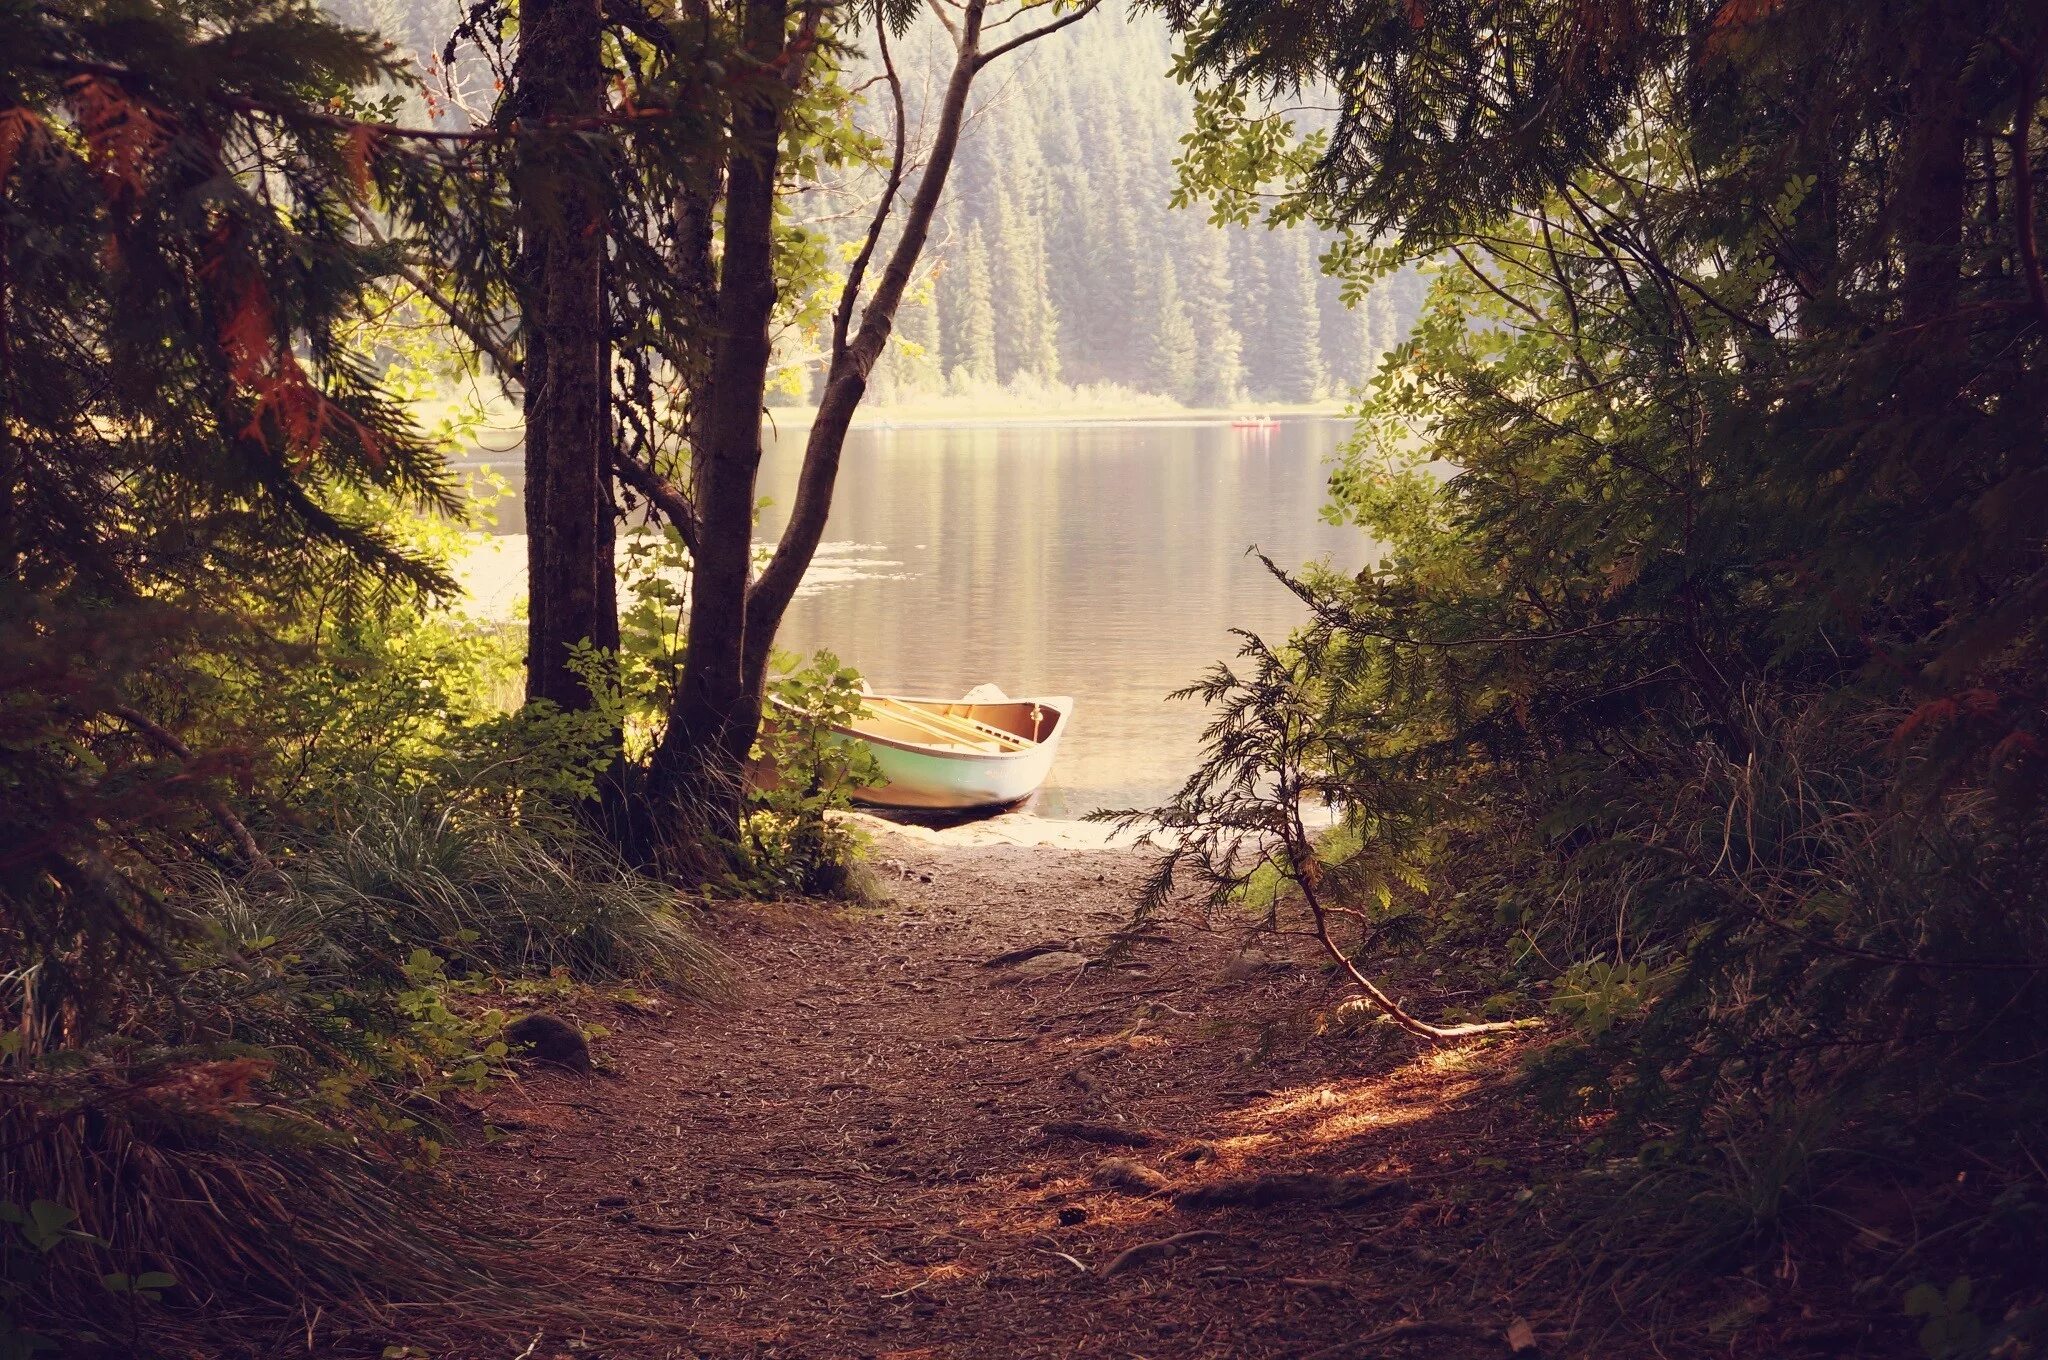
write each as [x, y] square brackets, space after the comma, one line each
[1408, 1327]
[1147, 1252]
[213, 803]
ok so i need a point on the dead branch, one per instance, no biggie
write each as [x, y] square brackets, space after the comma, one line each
[1147, 1252]
[237, 830]
[1108, 1135]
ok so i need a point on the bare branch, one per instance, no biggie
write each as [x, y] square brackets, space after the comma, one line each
[842, 316]
[237, 830]
[1035, 34]
[479, 335]
[662, 493]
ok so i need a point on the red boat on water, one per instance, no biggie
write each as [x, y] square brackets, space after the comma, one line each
[1261, 421]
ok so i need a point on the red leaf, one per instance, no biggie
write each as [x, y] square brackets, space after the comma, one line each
[1733, 17]
[123, 136]
[19, 128]
[361, 149]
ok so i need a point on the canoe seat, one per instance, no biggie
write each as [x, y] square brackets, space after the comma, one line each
[946, 729]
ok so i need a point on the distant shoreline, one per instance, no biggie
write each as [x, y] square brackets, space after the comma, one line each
[934, 417]
[780, 419]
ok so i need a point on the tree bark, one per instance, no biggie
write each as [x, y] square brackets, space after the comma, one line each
[694, 782]
[560, 75]
[1935, 174]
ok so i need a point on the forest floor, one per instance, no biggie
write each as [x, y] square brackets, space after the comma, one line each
[862, 1153]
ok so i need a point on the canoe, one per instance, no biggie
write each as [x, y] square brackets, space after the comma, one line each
[983, 750]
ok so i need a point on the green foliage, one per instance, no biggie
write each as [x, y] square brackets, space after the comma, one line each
[1699, 679]
[1951, 1329]
[792, 841]
[188, 429]
[481, 894]
[1070, 191]
[38, 1230]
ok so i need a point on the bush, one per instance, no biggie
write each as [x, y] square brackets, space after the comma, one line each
[790, 838]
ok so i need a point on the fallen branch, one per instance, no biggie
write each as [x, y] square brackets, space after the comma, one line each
[1109, 1135]
[1146, 1252]
[1257, 1192]
[1011, 957]
[1307, 871]
[1407, 1327]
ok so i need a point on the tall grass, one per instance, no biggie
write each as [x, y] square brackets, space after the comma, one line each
[492, 895]
[261, 1121]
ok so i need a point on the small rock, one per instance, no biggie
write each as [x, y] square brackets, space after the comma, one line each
[1058, 963]
[549, 1039]
[1071, 1217]
[1010, 958]
[1254, 963]
[1127, 1177]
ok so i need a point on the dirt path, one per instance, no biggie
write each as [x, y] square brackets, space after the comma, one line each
[850, 1159]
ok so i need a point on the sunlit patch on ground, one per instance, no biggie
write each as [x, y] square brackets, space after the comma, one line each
[852, 1160]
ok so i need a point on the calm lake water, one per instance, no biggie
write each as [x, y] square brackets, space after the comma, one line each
[1103, 561]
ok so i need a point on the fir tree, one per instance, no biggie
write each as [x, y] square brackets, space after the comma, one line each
[1025, 338]
[976, 340]
[1219, 349]
[1294, 331]
[1173, 348]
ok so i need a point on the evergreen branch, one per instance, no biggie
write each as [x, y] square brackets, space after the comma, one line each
[479, 335]
[1337, 615]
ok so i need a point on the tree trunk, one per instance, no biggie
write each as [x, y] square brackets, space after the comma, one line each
[695, 780]
[853, 359]
[696, 783]
[560, 75]
[1935, 174]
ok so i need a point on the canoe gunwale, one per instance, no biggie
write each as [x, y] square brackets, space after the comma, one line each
[1057, 705]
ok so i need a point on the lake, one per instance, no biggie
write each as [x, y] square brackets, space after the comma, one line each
[1106, 561]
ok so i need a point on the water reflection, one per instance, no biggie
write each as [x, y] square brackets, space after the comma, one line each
[1103, 561]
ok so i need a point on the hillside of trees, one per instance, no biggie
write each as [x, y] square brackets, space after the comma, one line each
[1059, 258]
[1062, 260]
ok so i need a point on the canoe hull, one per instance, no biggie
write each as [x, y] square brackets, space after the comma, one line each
[925, 778]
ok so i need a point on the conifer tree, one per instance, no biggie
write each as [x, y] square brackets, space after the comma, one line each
[1173, 349]
[1251, 308]
[1294, 331]
[976, 338]
[1219, 349]
[1020, 283]
[187, 442]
